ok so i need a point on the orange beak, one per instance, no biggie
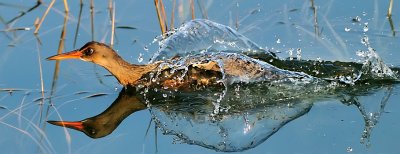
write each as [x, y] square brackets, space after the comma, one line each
[76, 54]
[77, 125]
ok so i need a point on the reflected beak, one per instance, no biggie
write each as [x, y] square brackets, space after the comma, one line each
[77, 125]
[76, 54]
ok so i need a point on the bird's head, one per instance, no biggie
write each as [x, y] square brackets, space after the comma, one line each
[95, 52]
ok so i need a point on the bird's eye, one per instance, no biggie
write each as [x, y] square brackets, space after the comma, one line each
[93, 131]
[88, 51]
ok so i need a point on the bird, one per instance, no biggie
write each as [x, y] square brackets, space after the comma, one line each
[205, 70]
[200, 70]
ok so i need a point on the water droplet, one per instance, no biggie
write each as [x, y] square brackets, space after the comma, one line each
[278, 41]
[349, 149]
[356, 19]
[172, 71]
[364, 13]
[362, 54]
[165, 95]
[140, 58]
[346, 29]
[298, 51]
[319, 59]
[365, 29]
[145, 48]
[237, 88]
[290, 52]
[365, 40]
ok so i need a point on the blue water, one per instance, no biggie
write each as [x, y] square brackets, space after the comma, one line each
[329, 127]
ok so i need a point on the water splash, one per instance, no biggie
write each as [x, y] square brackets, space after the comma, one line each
[211, 46]
[250, 121]
[202, 35]
[290, 52]
[234, 69]
[373, 65]
[278, 41]
[357, 19]
[298, 53]
[140, 58]
[365, 29]
[349, 149]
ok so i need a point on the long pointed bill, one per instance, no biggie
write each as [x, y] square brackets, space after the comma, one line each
[76, 54]
[77, 125]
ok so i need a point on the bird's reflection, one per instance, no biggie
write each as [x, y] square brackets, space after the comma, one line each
[235, 118]
[106, 122]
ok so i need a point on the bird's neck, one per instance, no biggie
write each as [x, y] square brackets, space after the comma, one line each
[128, 74]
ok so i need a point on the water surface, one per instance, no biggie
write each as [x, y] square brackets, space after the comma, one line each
[327, 125]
